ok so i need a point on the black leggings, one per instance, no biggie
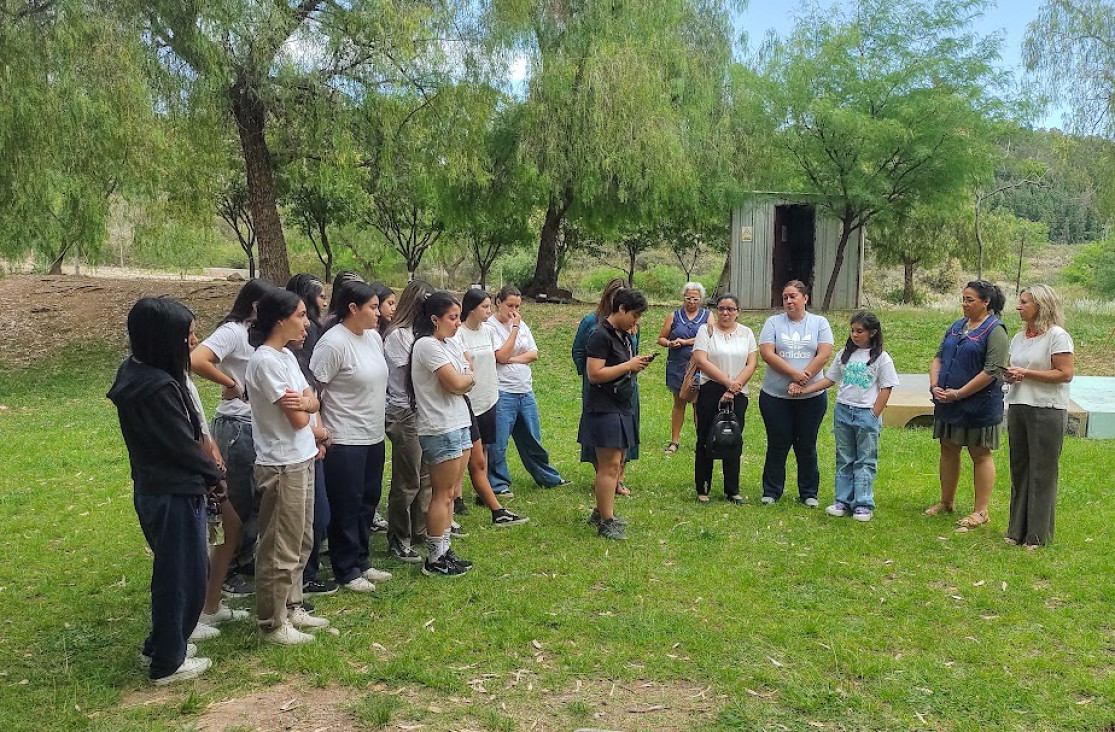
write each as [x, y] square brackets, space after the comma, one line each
[792, 423]
[708, 405]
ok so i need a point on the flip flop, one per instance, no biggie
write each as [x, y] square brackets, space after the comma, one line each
[671, 448]
[622, 490]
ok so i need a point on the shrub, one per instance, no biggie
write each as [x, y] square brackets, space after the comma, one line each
[661, 282]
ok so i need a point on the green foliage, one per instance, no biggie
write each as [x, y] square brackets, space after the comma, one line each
[374, 710]
[660, 283]
[1094, 268]
[517, 269]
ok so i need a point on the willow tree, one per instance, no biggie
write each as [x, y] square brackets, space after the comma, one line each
[882, 104]
[77, 128]
[611, 94]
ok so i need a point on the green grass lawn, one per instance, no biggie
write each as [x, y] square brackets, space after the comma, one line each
[756, 617]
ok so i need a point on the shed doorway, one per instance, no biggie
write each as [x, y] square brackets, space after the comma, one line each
[794, 248]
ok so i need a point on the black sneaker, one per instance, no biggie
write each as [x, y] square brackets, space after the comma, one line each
[308, 606]
[319, 587]
[457, 531]
[560, 484]
[237, 585]
[404, 553]
[611, 530]
[503, 517]
[443, 567]
[594, 519]
[460, 508]
[452, 557]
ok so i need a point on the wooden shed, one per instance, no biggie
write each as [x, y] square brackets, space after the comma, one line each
[777, 237]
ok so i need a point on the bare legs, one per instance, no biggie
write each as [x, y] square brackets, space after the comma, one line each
[220, 557]
[478, 473]
[609, 466]
[677, 419]
[445, 483]
[983, 476]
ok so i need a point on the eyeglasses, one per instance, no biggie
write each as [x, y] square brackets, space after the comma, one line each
[692, 299]
[726, 310]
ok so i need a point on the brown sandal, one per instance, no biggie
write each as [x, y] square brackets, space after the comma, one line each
[938, 508]
[974, 519]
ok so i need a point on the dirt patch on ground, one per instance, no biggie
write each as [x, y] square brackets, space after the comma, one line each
[295, 706]
[44, 315]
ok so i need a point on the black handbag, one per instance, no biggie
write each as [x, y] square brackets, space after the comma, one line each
[619, 390]
[725, 434]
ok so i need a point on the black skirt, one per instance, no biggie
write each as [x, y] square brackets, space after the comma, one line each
[618, 431]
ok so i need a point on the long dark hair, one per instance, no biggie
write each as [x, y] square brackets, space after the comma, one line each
[248, 296]
[434, 306]
[606, 306]
[159, 336]
[990, 294]
[870, 321]
[275, 305]
[472, 300]
[307, 287]
[351, 293]
[345, 275]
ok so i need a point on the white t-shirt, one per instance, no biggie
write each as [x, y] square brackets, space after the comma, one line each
[727, 351]
[514, 378]
[229, 343]
[797, 344]
[196, 399]
[396, 350]
[1037, 353]
[270, 374]
[482, 345]
[858, 384]
[439, 411]
[352, 373]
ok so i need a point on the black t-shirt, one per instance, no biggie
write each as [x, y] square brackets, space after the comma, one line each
[615, 348]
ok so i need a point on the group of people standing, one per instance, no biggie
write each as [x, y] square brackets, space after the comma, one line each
[311, 390]
[296, 452]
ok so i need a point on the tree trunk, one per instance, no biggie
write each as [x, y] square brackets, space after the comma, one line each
[251, 118]
[327, 260]
[631, 267]
[979, 239]
[1021, 251]
[546, 267]
[908, 280]
[846, 231]
[56, 265]
[251, 266]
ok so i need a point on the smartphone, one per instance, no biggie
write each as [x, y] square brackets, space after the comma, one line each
[654, 355]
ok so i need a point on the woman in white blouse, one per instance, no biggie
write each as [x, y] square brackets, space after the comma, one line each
[727, 356]
[1041, 367]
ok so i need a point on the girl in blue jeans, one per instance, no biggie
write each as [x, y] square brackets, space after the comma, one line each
[866, 375]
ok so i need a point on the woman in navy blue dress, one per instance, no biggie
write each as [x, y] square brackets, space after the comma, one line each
[678, 334]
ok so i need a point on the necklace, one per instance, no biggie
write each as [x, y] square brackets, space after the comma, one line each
[1030, 333]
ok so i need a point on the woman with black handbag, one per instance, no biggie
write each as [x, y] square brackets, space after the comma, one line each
[727, 355]
[608, 423]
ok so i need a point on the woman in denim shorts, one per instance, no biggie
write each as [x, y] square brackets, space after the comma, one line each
[441, 374]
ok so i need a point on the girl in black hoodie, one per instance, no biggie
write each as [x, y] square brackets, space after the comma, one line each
[171, 476]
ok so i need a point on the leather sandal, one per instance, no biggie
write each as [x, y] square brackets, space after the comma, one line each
[974, 519]
[671, 448]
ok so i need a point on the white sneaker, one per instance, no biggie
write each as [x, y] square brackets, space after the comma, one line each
[191, 668]
[359, 585]
[299, 618]
[288, 635]
[811, 502]
[203, 632]
[376, 575]
[145, 660]
[768, 500]
[224, 613]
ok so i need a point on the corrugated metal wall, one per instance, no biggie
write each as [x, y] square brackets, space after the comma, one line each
[752, 266]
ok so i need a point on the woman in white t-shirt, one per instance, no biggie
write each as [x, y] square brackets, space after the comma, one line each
[866, 375]
[283, 404]
[727, 356]
[1041, 367]
[350, 369]
[223, 359]
[441, 375]
[480, 342]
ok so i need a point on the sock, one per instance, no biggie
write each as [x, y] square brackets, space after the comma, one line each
[439, 546]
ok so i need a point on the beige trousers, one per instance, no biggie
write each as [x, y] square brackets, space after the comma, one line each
[286, 535]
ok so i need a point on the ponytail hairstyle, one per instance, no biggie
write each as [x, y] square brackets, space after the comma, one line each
[606, 306]
[472, 300]
[246, 299]
[870, 322]
[990, 294]
[434, 306]
[507, 291]
[345, 275]
[308, 287]
[275, 305]
[409, 306]
[158, 336]
[351, 293]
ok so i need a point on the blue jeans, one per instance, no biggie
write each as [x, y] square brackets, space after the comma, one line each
[174, 526]
[517, 417]
[856, 431]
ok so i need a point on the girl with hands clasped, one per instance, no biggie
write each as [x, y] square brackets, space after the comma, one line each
[866, 375]
[727, 356]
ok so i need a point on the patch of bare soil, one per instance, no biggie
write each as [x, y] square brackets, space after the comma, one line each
[295, 706]
[43, 315]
